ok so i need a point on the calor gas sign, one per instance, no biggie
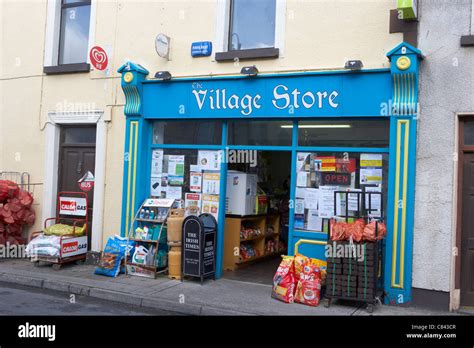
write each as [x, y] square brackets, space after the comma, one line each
[72, 206]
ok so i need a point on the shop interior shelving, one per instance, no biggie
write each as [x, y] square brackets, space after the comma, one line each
[232, 240]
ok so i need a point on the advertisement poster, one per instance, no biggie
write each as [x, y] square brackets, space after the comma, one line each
[374, 200]
[370, 169]
[156, 162]
[195, 181]
[156, 188]
[315, 223]
[351, 201]
[328, 163]
[210, 205]
[174, 192]
[302, 179]
[209, 160]
[303, 160]
[311, 198]
[299, 206]
[326, 201]
[192, 204]
[211, 183]
[175, 180]
[175, 165]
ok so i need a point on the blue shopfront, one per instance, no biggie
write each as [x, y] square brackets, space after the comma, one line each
[365, 117]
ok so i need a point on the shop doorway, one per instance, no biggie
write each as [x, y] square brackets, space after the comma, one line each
[77, 152]
[257, 214]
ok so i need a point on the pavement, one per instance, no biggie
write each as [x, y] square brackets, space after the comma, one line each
[225, 296]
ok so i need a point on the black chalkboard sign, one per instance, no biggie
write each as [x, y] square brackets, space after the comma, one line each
[199, 246]
[192, 241]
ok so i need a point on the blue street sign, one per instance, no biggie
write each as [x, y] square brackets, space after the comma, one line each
[201, 49]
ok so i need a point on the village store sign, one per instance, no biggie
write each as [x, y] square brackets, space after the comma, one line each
[290, 95]
[282, 99]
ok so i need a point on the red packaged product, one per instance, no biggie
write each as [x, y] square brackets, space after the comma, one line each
[308, 290]
[284, 281]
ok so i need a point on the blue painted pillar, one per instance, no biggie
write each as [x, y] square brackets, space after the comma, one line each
[401, 196]
[136, 138]
[291, 212]
[222, 205]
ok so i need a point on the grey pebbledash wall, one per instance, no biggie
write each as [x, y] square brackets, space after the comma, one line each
[446, 87]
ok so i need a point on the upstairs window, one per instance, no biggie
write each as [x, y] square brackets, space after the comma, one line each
[252, 24]
[249, 29]
[74, 35]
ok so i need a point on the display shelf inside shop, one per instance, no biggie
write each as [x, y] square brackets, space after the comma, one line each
[254, 244]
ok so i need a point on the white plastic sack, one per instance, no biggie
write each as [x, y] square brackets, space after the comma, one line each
[44, 246]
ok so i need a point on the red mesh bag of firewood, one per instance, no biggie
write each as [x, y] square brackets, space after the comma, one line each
[369, 231]
[8, 189]
[338, 230]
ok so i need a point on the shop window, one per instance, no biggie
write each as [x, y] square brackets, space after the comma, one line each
[266, 133]
[68, 36]
[192, 176]
[347, 133]
[187, 132]
[320, 174]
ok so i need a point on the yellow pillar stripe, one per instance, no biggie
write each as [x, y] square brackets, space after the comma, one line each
[131, 157]
[132, 213]
[399, 284]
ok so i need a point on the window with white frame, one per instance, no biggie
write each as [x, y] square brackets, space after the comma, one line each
[68, 35]
[251, 24]
[74, 32]
[248, 29]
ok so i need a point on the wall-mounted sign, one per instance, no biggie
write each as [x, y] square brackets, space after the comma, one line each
[407, 9]
[72, 206]
[162, 45]
[98, 58]
[201, 49]
[315, 95]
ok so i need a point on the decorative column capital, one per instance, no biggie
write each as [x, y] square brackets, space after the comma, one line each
[132, 77]
[404, 67]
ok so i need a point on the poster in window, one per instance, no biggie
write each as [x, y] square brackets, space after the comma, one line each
[303, 161]
[156, 162]
[209, 160]
[326, 201]
[210, 205]
[192, 204]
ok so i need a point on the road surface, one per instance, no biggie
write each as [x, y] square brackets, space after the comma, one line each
[20, 300]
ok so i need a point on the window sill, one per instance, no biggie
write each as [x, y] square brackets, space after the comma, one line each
[467, 40]
[67, 69]
[257, 53]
